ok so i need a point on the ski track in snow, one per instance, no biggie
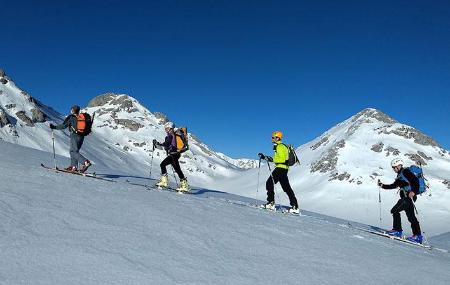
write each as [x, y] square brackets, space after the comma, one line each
[60, 228]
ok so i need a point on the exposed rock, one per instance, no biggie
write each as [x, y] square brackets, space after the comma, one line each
[4, 120]
[340, 177]
[416, 158]
[38, 116]
[161, 117]
[140, 144]
[24, 118]
[446, 183]
[411, 133]
[323, 141]
[124, 102]
[378, 147]
[390, 150]
[10, 106]
[2, 73]
[329, 160]
[3, 80]
[129, 124]
[101, 100]
[424, 156]
[370, 113]
[125, 148]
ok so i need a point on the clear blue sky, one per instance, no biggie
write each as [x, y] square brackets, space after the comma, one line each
[234, 71]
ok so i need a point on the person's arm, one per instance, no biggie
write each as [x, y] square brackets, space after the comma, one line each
[413, 181]
[64, 125]
[167, 142]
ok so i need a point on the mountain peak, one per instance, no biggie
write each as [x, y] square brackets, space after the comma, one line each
[369, 114]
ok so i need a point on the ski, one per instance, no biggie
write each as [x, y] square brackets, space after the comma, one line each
[157, 188]
[90, 175]
[383, 233]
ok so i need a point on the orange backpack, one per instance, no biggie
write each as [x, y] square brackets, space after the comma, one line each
[84, 124]
[181, 138]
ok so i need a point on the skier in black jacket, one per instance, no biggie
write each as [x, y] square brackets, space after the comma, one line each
[76, 141]
[409, 188]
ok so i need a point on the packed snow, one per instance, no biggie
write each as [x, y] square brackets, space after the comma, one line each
[61, 228]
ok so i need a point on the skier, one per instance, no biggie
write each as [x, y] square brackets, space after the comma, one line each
[76, 140]
[279, 174]
[173, 156]
[409, 187]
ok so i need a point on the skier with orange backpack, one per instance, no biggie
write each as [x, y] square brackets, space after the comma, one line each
[174, 144]
[80, 125]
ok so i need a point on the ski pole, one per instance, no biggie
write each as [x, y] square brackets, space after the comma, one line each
[273, 180]
[379, 202]
[54, 153]
[151, 162]
[174, 176]
[259, 170]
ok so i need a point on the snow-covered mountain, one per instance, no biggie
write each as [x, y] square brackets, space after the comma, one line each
[340, 168]
[122, 136]
[59, 228]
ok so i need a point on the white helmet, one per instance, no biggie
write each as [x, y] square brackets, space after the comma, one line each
[169, 125]
[396, 162]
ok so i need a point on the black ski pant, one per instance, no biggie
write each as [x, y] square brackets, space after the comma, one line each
[280, 175]
[407, 205]
[76, 141]
[172, 159]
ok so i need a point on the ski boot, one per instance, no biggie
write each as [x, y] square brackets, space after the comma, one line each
[184, 186]
[416, 238]
[71, 169]
[294, 210]
[163, 182]
[395, 233]
[85, 166]
[269, 206]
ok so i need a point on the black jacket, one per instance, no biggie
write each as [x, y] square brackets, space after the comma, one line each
[69, 122]
[413, 181]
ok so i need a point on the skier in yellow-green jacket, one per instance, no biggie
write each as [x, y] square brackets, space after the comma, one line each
[279, 174]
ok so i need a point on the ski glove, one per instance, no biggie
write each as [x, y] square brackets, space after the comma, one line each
[52, 126]
[265, 157]
[379, 183]
[261, 156]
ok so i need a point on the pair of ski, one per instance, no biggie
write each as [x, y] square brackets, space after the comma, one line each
[277, 210]
[90, 175]
[169, 189]
[383, 233]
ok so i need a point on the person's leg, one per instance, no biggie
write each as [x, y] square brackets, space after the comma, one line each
[395, 211]
[176, 165]
[409, 210]
[284, 181]
[167, 161]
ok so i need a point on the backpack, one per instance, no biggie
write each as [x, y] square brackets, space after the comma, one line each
[181, 139]
[84, 124]
[418, 172]
[292, 156]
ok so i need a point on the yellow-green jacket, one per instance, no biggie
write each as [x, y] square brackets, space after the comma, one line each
[281, 155]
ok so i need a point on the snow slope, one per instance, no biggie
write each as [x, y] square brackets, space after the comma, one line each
[340, 168]
[66, 229]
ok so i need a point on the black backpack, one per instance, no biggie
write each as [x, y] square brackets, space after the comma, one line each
[292, 157]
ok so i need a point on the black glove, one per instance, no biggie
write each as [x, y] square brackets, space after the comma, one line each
[269, 158]
[52, 126]
[155, 142]
[261, 156]
[379, 183]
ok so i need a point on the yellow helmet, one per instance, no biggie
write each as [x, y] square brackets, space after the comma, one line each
[277, 134]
